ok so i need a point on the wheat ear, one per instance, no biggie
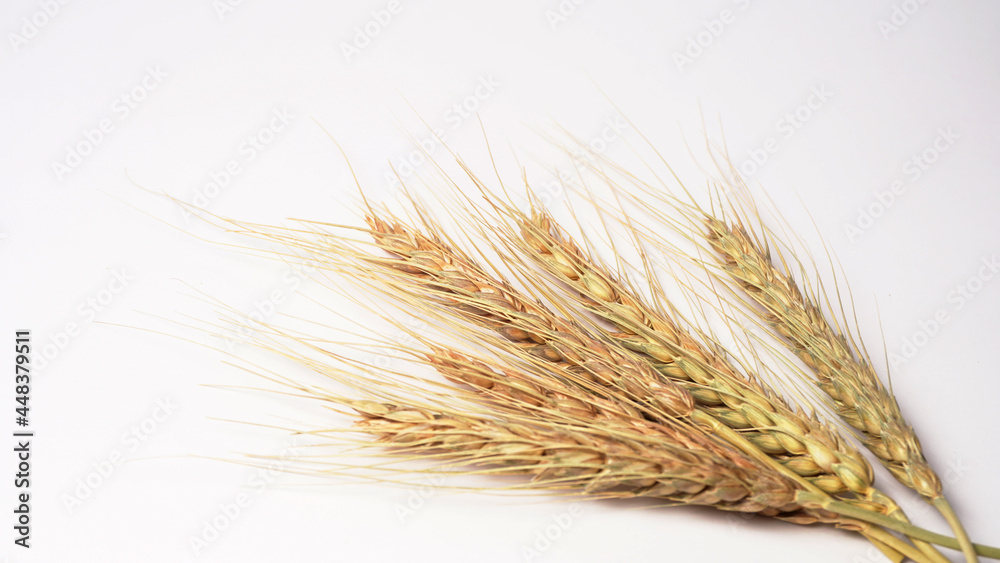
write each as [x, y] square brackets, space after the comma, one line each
[678, 465]
[613, 461]
[842, 371]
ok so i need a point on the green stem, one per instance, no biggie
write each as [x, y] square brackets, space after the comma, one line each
[890, 553]
[895, 511]
[956, 526]
[807, 498]
[896, 543]
[923, 546]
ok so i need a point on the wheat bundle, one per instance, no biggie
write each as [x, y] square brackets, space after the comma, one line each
[565, 374]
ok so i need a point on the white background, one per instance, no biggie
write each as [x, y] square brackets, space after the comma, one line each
[224, 73]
